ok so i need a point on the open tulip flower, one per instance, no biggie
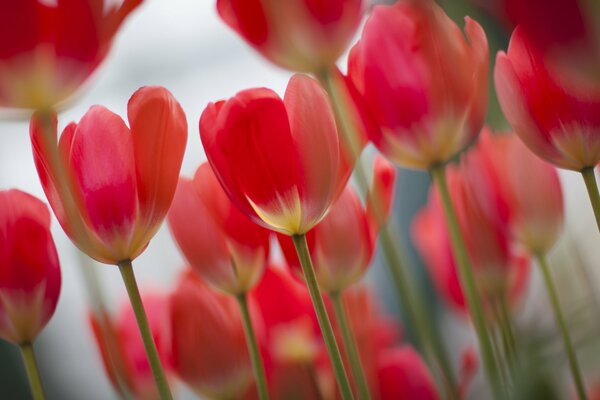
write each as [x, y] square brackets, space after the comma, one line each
[226, 248]
[301, 35]
[30, 276]
[428, 92]
[123, 178]
[49, 49]
[280, 162]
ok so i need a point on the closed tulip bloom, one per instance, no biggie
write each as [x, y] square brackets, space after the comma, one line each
[29, 269]
[301, 35]
[122, 350]
[556, 116]
[343, 243]
[209, 347]
[279, 161]
[424, 81]
[50, 48]
[123, 178]
[220, 243]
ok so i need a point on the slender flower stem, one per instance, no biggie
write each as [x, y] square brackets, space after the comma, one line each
[255, 357]
[562, 326]
[350, 346]
[140, 315]
[322, 317]
[33, 373]
[509, 331]
[467, 280]
[427, 337]
[592, 188]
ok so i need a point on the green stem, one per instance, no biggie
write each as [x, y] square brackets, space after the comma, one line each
[350, 346]
[562, 326]
[592, 188]
[142, 321]
[322, 317]
[508, 332]
[427, 337]
[467, 280]
[255, 357]
[35, 382]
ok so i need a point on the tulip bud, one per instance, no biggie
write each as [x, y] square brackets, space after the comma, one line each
[122, 178]
[221, 244]
[49, 49]
[301, 35]
[423, 81]
[122, 350]
[279, 161]
[29, 269]
[208, 342]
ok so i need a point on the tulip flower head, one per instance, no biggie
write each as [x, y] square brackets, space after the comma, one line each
[208, 342]
[30, 277]
[280, 162]
[225, 247]
[301, 35]
[556, 116]
[423, 81]
[122, 349]
[50, 48]
[123, 178]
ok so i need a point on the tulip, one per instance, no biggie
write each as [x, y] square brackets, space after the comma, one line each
[122, 349]
[49, 49]
[427, 92]
[123, 178]
[29, 275]
[301, 35]
[221, 244]
[209, 348]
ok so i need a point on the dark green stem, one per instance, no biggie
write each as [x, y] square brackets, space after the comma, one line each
[255, 357]
[142, 321]
[350, 346]
[592, 188]
[562, 326]
[322, 317]
[467, 280]
[33, 373]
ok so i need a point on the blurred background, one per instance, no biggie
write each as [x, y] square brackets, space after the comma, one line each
[184, 46]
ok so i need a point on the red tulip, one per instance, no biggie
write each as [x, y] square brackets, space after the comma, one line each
[557, 116]
[49, 49]
[301, 35]
[227, 249]
[403, 375]
[29, 268]
[532, 201]
[342, 244]
[423, 81]
[122, 349]
[280, 162]
[501, 271]
[123, 179]
[209, 346]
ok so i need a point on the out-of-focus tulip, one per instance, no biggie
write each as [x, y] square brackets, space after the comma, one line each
[557, 117]
[342, 244]
[227, 249]
[500, 270]
[403, 375]
[208, 342]
[123, 178]
[424, 82]
[50, 48]
[532, 201]
[301, 35]
[122, 349]
[280, 162]
[29, 268]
